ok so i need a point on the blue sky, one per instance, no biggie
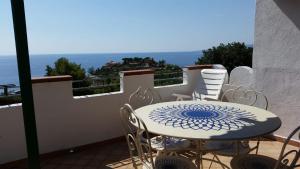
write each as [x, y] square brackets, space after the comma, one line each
[105, 26]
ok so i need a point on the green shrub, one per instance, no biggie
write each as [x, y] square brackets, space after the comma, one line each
[230, 55]
[5, 100]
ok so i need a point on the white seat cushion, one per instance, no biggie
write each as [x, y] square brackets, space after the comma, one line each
[171, 143]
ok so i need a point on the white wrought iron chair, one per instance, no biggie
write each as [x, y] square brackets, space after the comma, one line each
[241, 95]
[142, 97]
[129, 123]
[139, 144]
[161, 161]
[208, 88]
[288, 159]
[247, 96]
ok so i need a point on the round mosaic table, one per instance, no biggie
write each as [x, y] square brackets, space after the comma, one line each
[208, 120]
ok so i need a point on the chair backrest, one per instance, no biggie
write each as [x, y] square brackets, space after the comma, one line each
[130, 123]
[137, 136]
[142, 97]
[144, 144]
[288, 159]
[210, 85]
[247, 96]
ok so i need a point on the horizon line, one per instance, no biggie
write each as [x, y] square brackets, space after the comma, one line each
[71, 53]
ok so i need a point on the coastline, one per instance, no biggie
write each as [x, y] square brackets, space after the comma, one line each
[9, 74]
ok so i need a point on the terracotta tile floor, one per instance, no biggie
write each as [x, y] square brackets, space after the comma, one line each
[116, 155]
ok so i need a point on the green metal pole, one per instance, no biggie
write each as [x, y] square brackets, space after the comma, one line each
[19, 20]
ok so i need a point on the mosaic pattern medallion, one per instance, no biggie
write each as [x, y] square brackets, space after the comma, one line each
[202, 117]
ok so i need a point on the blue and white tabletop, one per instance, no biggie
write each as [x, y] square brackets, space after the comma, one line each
[208, 120]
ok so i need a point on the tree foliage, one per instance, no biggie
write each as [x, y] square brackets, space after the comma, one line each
[64, 67]
[230, 55]
[106, 78]
[134, 63]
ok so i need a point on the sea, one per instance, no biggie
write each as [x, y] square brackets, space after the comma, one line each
[9, 70]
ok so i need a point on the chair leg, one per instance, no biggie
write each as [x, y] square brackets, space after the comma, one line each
[201, 161]
[198, 155]
[131, 152]
[218, 159]
[237, 148]
[211, 162]
[133, 163]
[132, 158]
[257, 145]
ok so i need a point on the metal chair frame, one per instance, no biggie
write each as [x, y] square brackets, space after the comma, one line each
[129, 120]
[146, 152]
[283, 162]
[248, 93]
[144, 97]
[139, 140]
[249, 97]
[147, 96]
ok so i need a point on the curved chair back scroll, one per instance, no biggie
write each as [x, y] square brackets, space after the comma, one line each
[145, 148]
[289, 158]
[142, 97]
[247, 96]
[137, 137]
[129, 123]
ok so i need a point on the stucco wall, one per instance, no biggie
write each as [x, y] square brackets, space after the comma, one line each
[276, 59]
[64, 121]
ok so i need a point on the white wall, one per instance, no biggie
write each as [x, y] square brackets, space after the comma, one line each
[64, 121]
[276, 59]
[12, 137]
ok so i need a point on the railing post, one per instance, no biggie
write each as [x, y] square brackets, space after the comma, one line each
[5, 91]
[19, 21]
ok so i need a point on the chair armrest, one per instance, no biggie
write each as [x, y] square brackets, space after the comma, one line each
[181, 97]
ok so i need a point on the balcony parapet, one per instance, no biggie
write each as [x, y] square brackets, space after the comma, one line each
[194, 67]
[137, 72]
[48, 79]
[63, 119]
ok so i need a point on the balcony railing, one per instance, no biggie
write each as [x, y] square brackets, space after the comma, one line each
[111, 83]
[9, 94]
[163, 79]
[96, 84]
